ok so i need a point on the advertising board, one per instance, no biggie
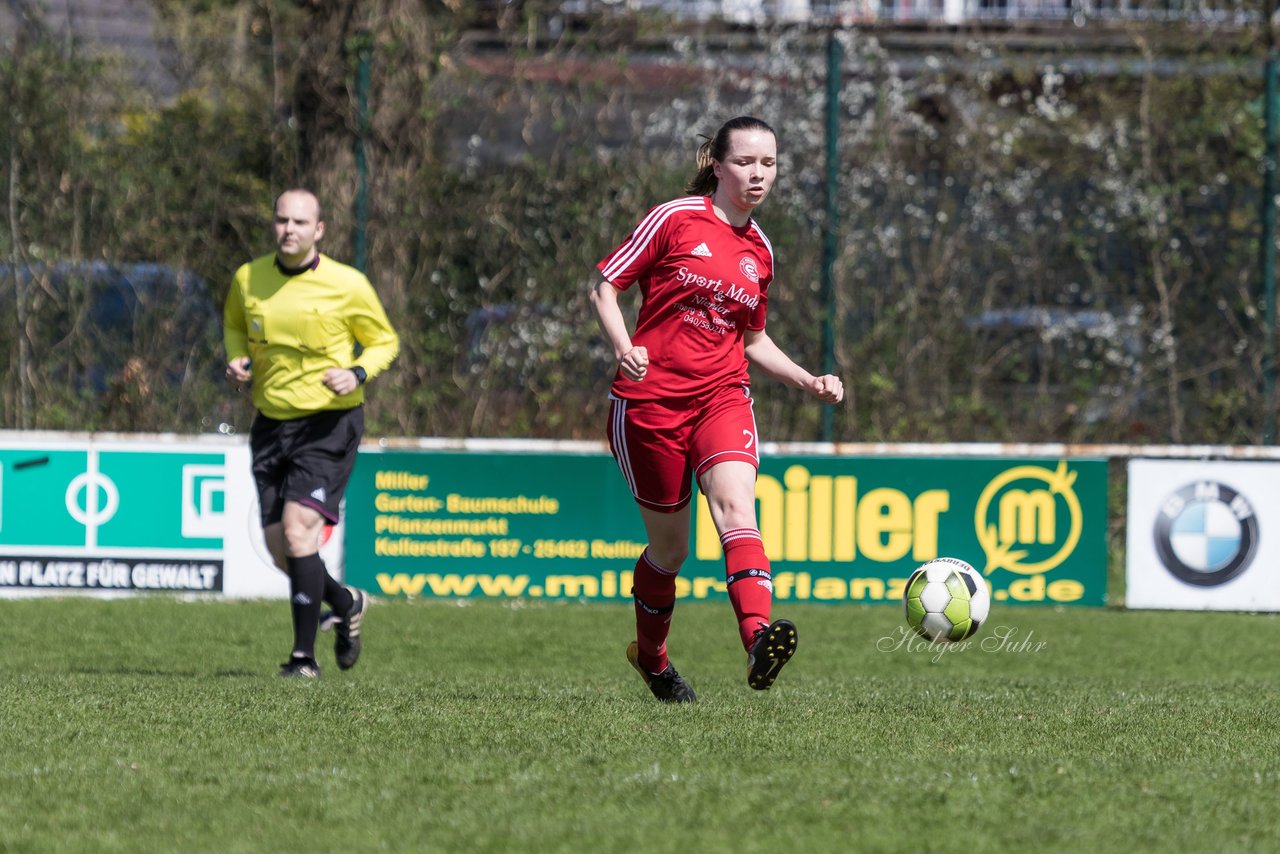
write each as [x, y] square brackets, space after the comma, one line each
[1201, 535]
[126, 515]
[442, 523]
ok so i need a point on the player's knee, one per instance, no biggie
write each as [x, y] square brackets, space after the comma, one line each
[735, 513]
[273, 535]
[670, 556]
[299, 539]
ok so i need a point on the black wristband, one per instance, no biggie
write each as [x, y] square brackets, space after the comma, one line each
[361, 374]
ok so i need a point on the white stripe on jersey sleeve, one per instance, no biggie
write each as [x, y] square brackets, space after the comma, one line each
[645, 231]
[767, 245]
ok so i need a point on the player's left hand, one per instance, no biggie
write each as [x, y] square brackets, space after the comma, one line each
[340, 381]
[827, 388]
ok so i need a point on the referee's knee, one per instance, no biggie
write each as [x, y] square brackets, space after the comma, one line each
[301, 539]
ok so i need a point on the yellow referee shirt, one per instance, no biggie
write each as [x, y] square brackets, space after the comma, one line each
[294, 328]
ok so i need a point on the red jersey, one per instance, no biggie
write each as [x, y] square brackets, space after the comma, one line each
[703, 283]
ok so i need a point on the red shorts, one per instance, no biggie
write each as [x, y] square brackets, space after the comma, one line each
[659, 443]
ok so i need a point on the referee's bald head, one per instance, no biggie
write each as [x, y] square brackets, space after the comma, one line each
[303, 192]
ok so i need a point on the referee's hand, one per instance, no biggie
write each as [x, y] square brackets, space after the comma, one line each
[238, 372]
[341, 381]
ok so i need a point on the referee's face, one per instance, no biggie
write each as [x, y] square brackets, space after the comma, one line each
[297, 228]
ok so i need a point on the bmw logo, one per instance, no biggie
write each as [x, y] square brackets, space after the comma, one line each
[1206, 533]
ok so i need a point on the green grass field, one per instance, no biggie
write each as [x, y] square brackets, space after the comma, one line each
[158, 725]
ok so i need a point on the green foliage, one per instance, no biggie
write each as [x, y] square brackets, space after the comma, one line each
[153, 724]
[1117, 184]
[188, 179]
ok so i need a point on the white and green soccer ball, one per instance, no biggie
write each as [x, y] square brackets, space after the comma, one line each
[946, 600]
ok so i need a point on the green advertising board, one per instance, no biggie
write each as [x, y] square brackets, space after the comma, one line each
[76, 516]
[836, 529]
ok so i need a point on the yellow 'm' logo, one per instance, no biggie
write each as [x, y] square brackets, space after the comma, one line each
[1027, 518]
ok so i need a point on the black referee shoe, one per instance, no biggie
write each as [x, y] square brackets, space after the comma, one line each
[668, 686]
[302, 668]
[346, 631]
[773, 647]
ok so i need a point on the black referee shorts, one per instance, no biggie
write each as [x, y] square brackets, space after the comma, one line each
[308, 460]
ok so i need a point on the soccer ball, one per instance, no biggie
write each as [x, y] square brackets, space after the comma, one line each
[946, 600]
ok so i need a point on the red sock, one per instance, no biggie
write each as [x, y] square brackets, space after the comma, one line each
[654, 589]
[748, 580]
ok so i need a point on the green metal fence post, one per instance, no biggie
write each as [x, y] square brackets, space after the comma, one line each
[832, 221]
[364, 54]
[1269, 253]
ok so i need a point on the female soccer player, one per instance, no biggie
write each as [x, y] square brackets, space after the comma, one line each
[681, 400]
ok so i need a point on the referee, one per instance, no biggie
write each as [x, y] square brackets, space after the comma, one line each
[292, 321]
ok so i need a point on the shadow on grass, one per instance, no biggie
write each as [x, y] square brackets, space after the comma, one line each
[166, 673]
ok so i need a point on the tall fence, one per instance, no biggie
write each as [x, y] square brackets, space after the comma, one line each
[1033, 239]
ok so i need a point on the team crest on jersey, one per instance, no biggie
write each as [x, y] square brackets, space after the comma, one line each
[748, 267]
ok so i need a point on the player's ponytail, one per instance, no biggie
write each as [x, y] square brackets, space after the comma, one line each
[714, 149]
[704, 182]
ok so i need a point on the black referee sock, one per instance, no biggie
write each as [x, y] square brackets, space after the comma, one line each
[336, 596]
[306, 589]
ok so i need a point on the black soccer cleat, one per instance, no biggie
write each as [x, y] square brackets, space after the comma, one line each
[346, 631]
[668, 686]
[300, 667]
[774, 645]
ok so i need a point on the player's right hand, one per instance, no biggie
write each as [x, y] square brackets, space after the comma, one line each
[635, 363]
[238, 372]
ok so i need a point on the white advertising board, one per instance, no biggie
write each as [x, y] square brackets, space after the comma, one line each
[1203, 535]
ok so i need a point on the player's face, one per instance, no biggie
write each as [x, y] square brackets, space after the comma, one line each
[297, 228]
[748, 169]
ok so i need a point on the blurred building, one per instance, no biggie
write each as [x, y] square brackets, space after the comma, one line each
[123, 27]
[944, 12]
